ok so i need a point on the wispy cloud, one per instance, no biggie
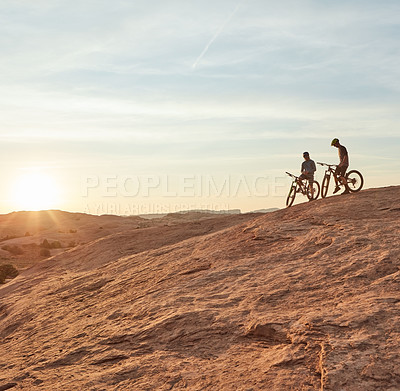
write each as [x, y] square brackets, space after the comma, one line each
[217, 33]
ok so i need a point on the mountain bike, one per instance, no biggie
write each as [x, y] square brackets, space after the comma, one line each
[353, 179]
[303, 187]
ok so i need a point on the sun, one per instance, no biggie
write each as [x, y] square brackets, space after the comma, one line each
[35, 191]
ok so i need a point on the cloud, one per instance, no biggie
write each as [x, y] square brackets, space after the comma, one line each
[218, 32]
[285, 69]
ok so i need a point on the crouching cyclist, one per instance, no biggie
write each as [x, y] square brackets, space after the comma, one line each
[308, 169]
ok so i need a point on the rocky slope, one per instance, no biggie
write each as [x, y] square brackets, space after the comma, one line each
[23, 233]
[306, 298]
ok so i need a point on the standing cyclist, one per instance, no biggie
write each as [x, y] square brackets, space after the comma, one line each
[342, 166]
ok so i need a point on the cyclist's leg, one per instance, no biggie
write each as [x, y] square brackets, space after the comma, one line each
[300, 182]
[343, 177]
[311, 182]
[336, 177]
[341, 172]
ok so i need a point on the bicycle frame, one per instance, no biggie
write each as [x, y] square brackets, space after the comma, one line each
[303, 186]
[329, 170]
[300, 183]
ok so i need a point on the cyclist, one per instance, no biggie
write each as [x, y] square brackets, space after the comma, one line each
[341, 169]
[308, 169]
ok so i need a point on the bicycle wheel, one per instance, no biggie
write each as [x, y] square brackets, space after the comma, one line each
[325, 185]
[316, 188]
[291, 196]
[355, 180]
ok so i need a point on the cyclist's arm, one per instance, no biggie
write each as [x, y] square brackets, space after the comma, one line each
[314, 168]
[343, 157]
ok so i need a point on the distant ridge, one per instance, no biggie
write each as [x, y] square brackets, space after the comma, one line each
[269, 210]
[204, 211]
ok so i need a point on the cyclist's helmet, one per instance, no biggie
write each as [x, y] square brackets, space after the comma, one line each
[306, 154]
[334, 141]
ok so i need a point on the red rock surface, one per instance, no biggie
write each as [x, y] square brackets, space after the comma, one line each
[26, 231]
[306, 298]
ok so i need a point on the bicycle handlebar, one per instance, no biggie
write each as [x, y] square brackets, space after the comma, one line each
[293, 176]
[326, 164]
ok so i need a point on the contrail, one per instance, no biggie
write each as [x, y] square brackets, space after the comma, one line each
[215, 36]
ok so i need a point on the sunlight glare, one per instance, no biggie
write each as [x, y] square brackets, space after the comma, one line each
[35, 191]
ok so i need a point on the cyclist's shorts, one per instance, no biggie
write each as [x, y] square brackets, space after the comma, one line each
[341, 171]
[310, 177]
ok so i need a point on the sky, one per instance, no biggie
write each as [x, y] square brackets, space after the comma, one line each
[150, 106]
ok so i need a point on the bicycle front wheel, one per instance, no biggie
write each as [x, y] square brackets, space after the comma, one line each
[316, 188]
[325, 185]
[291, 196]
[355, 181]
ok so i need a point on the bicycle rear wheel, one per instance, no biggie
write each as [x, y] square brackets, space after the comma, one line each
[355, 181]
[316, 188]
[291, 196]
[325, 185]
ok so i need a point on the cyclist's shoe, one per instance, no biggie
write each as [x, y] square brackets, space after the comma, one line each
[337, 188]
[346, 192]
